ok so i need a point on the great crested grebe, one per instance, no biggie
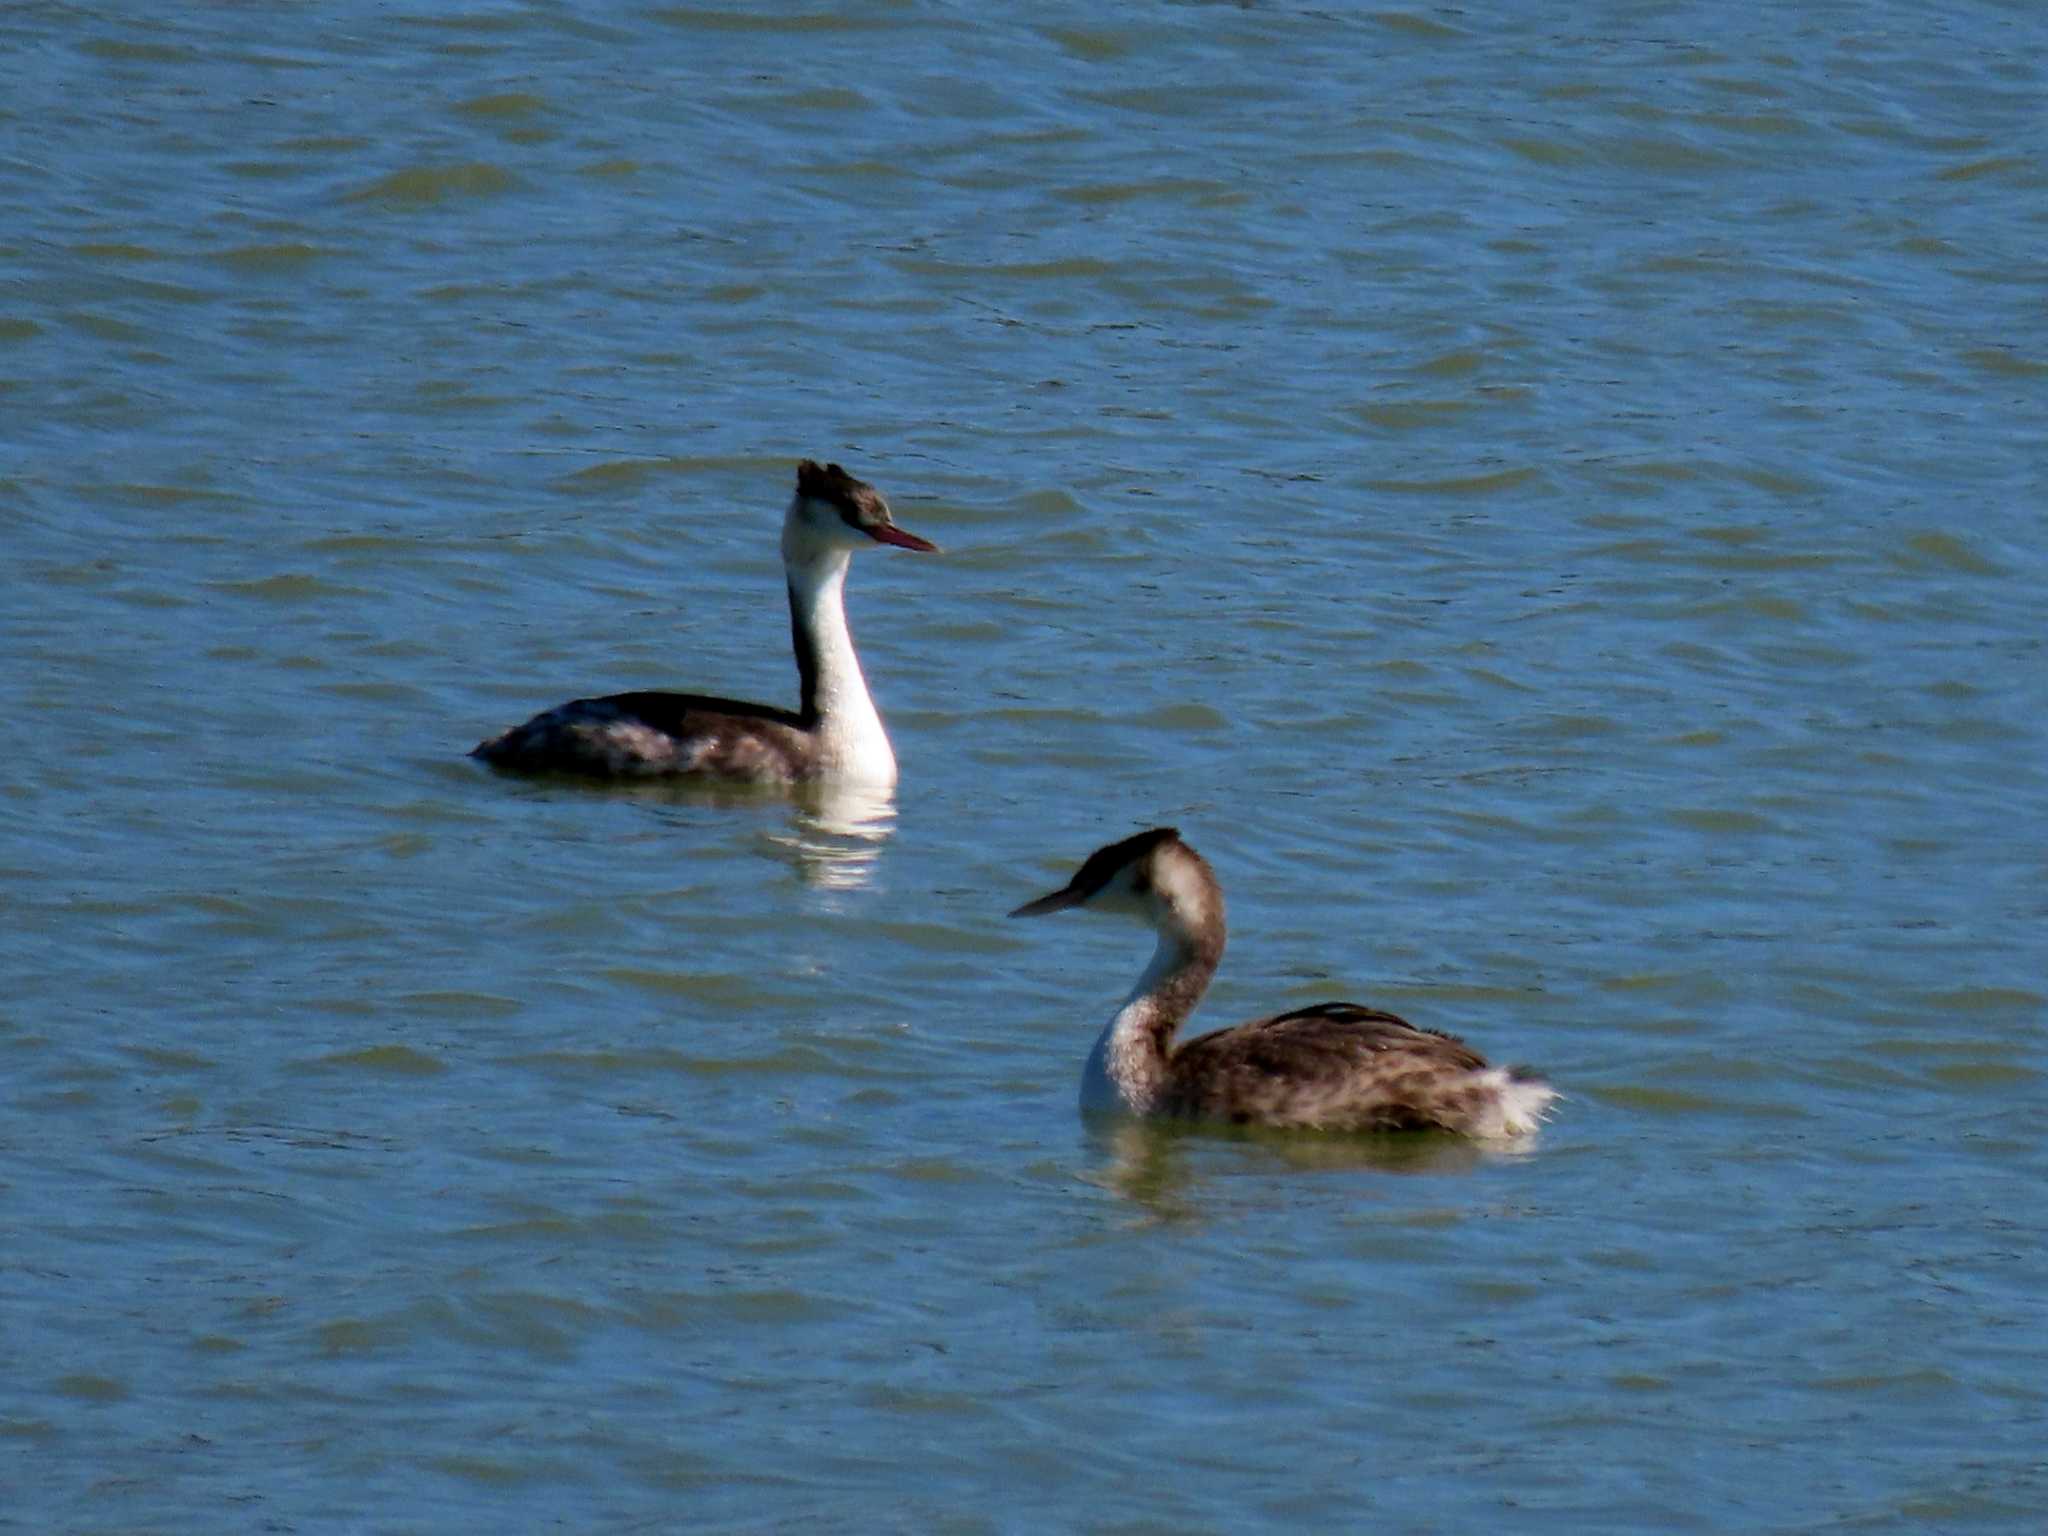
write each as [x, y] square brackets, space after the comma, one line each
[1333, 1066]
[834, 733]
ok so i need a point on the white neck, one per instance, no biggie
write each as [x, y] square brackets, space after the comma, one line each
[1127, 1069]
[836, 701]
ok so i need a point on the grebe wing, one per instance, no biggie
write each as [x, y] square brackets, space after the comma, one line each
[676, 712]
[651, 734]
[1333, 1064]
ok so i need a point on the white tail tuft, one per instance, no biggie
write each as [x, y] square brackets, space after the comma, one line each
[1518, 1104]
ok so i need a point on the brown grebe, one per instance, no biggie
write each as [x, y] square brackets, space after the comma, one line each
[834, 733]
[1333, 1066]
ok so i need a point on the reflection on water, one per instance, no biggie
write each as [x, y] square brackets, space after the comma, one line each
[837, 832]
[1161, 1164]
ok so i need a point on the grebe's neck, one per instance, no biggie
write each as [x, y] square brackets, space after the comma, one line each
[1127, 1069]
[835, 699]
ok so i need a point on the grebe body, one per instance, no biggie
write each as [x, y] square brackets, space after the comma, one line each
[1333, 1066]
[834, 733]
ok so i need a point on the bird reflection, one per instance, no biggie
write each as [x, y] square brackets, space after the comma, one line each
[836, 833]
[832, 833]
[1162, 1165]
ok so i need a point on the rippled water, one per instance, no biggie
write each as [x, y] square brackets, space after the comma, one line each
[1548, 499]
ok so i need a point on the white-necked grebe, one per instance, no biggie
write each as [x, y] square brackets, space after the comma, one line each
[1333, 1066]
[834, 733]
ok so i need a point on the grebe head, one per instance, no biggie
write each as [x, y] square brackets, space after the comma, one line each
[833, 512]
[1153, 876]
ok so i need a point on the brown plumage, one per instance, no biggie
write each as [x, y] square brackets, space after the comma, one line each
[1333, 1066]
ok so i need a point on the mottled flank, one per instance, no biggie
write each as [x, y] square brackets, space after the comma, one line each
[1333, 1067]
[1342, 1066]
[658, 735]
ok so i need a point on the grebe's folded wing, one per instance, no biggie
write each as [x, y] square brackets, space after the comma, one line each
[1338, 1065]
[634, 735]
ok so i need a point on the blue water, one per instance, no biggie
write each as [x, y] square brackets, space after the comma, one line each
[1549, 501]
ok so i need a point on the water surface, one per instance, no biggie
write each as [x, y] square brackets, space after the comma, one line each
[1549, 503]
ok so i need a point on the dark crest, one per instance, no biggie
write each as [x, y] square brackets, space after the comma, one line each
[1101, 866]
[859, 503]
